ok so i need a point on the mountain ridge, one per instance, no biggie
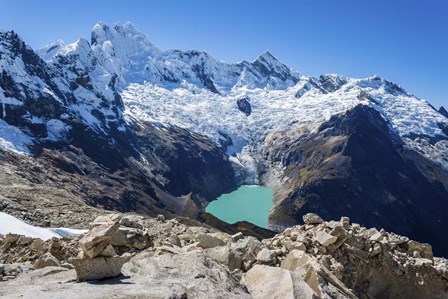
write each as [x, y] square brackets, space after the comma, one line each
[191, 127]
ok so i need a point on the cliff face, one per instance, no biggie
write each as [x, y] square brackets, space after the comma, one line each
[354, 165]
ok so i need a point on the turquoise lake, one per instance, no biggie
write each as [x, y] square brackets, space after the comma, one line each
[247, 203]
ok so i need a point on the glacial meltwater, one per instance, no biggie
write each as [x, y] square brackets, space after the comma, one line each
[247, 203]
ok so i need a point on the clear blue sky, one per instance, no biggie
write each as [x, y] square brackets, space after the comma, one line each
[405, 41]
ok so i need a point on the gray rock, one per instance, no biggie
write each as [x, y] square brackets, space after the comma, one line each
[287, 232]
[266, 256]
[133, 221]
[174, 240]
[24, 240]
[397, 240]
[46, 260]
[131, 237]
[237, 236]
[324, 238]
[209, 241]
[424, 249]
[298, 246]
[67, 266]
[145, 276]
[420, 262]
[375, 250]
[377, 237]
[219, 254]
[345, 222]
[94, 241]
[295, 259]
[244, 105]
[10, 238]
[108, 251]
[271, 282]
[98, 268]
[247, 249]
[2, 269]
[160, 218]
[312, 218]
[342, 235]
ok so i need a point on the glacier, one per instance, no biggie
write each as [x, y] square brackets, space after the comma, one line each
[194, 90]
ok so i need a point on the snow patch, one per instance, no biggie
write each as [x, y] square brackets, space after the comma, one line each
[13, 139]
[10, 224]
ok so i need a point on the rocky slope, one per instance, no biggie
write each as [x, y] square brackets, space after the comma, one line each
[166, 259]
[349, 164]
[115, 123]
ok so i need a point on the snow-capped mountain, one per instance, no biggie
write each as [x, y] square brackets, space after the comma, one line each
[188, 122]
[194, 90]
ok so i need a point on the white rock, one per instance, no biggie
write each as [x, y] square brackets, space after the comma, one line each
[324, 238]
[419, 262]
[237, 236]
[271, 282]
[266, 256]
[375, 250]
[288, 232]
[312, 218]
[209, 241]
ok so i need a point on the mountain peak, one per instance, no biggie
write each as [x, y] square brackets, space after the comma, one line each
[123, 37]
[443, 111]
[268, 57]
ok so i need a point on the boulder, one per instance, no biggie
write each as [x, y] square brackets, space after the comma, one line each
[295, 259]
[424, 249]
[10, 238]
[237, 236]
[175, 240]
[271, 282]
[321, 280]
[160, 218]
[420, 262]
[108, 251]
[345, 222]
[375, 250]
[287, 232]
[98, 268]
[134, 221]
[131, 238]
[244, 106]
[107, 218]
[325, 239]
[266, 256]
[342, 235]
[247, 249]
[94, 241]
[312, 218]
[396, 239]
[219, 254]
[298, 246]
[377, 237]
[24, 240]
[209, 241]
[46, 260]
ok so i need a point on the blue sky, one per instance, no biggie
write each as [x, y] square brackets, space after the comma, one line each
[405, 41]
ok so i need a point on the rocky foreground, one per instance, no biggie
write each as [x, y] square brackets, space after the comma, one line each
[128, 256]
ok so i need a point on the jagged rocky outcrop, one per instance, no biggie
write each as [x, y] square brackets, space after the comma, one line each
[334, 259]
[355, 165]
[244, 106]
[443, 111]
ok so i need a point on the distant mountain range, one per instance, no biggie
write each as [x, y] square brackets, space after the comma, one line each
[117, 123]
